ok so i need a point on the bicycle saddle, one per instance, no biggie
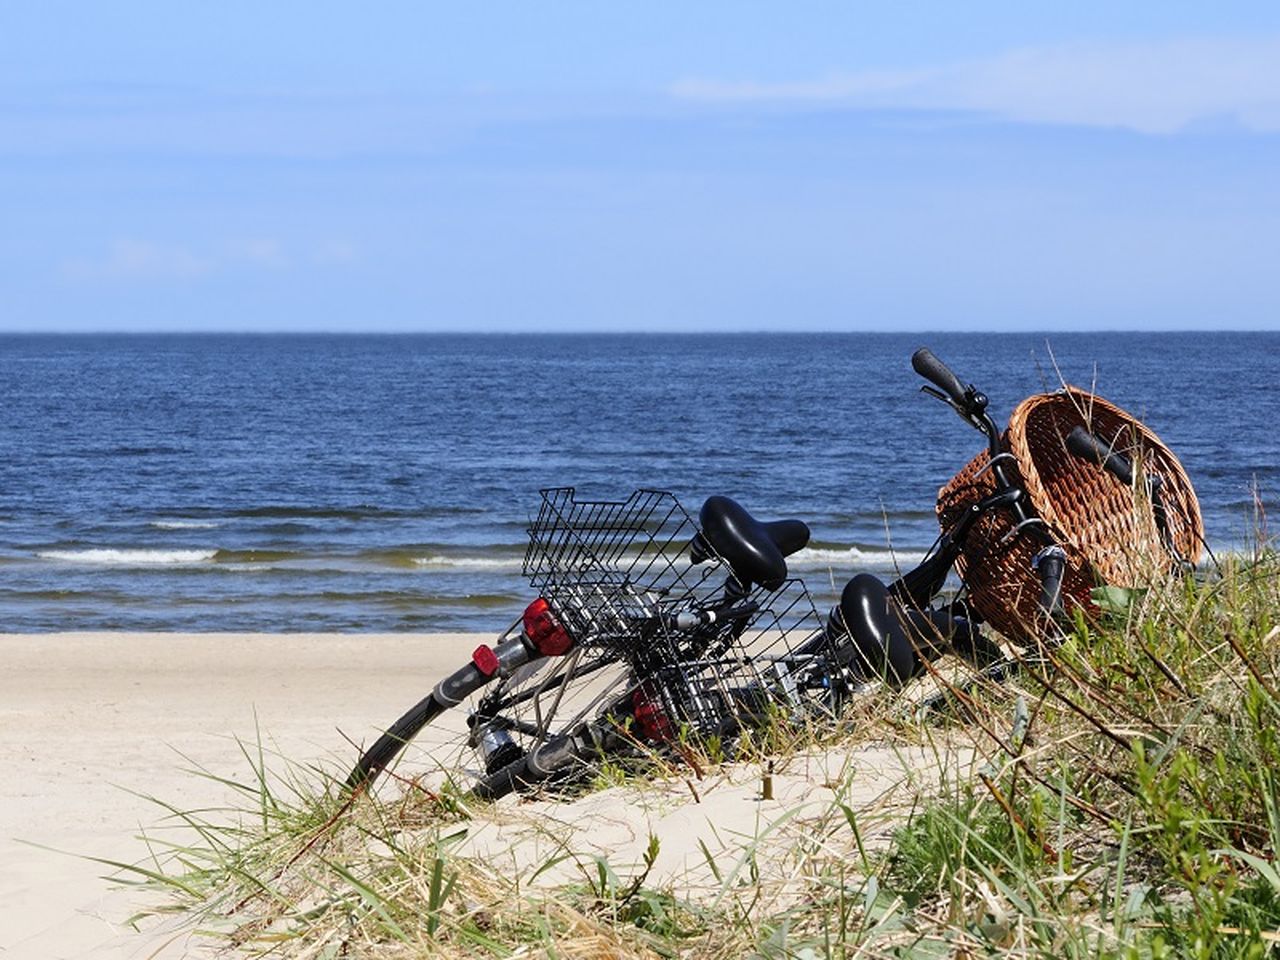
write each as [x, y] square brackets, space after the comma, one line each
[754, 550]
[873, 620]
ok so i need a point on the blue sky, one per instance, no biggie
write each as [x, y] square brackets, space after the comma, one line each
[632, 166]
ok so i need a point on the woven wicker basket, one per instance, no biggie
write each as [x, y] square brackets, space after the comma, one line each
[1106, 528]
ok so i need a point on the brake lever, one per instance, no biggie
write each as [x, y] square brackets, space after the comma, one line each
[935, 392]
[969, 416]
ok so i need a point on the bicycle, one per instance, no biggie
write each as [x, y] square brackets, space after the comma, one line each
[652, 632]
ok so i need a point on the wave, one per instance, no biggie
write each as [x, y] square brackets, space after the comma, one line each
[439, 561]
[359, 511]
[819, 558]
[70, 596]
[128, 558]
[444, 553]
[147, 556]
[398, 598]
[184, 524]
[252, 555]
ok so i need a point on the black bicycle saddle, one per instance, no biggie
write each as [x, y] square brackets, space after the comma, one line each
[754, 550]
[874, 622]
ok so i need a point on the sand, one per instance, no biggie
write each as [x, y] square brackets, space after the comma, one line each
[87, 718]
[90, 721]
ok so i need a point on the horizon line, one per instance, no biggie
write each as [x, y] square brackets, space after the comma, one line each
[924, 331]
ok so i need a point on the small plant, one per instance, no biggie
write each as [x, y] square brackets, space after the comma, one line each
[609, 773]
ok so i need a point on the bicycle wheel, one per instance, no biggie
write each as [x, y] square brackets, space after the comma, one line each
[477, 746]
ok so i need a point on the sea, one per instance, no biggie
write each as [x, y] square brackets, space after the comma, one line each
[387, 483]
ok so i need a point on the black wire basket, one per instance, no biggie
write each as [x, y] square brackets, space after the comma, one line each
[619, 575]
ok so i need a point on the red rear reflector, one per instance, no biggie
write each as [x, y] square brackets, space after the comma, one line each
[544, 631]
[652, 721]
[485, 659]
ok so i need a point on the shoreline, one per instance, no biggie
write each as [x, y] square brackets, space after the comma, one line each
[86, 718]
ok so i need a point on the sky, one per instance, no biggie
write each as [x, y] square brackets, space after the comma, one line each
[724, 165]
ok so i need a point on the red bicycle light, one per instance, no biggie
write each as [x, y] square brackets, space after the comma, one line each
[545, 631]
[652, 721]
[485, 659]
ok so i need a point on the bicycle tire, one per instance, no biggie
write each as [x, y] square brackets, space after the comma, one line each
[541, 700]
[396, 737]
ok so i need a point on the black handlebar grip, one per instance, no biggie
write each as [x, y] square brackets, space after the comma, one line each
[1051, 564]
[1086, 446]
[939, 374]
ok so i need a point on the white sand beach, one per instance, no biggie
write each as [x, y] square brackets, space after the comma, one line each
[87, 719]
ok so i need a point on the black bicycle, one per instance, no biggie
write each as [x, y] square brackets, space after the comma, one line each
[652, 633]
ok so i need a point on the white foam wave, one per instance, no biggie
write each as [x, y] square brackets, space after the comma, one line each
[816, 558]
[128, 558]
[812, 558]
[470, 563]
[183, 524]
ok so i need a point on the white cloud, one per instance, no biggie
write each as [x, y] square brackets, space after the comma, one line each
[132, 259]
[139, 259]
[335, 252]
[263, 252]
[1151, 87]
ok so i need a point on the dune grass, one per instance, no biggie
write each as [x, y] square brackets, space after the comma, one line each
[1118, 796]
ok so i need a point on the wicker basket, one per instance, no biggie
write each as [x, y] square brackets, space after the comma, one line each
[1106, 528]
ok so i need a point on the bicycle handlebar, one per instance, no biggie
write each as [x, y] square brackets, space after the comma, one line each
[1083, 444]
[1086, 446]
[939, 374]
[1051, 564]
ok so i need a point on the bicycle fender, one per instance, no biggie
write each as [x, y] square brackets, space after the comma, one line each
[459, 685]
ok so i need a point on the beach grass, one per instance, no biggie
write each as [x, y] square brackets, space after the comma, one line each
[1117, 796]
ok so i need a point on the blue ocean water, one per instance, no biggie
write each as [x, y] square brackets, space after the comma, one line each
[385, 482]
